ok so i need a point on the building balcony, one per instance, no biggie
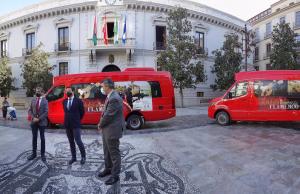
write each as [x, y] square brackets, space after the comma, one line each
[27, 51]
[129, 44]
[256, 39]
[297, 48]
[159, 46]
[268, 35]
[267, 55]
[3, 54]
[296, 26]
[62, 47]
[202, 51]
[255, 59]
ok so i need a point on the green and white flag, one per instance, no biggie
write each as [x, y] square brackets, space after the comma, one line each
[116, 31]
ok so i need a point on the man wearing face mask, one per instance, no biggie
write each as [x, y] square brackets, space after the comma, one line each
[38, 112]
[74, 112]
[112, 124]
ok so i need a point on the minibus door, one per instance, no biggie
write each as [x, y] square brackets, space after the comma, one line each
[237, 101]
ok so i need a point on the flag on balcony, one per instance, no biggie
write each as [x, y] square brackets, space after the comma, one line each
[95, 31]
[104, 30]
[116, 31]
[124, 31]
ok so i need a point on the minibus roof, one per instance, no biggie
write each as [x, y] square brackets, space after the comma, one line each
[128, 71]
[269, 74]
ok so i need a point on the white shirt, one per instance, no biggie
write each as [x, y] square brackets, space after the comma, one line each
[70, 100]
[108, 95]
[40, 100]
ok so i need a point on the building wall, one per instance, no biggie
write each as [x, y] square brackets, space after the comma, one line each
[141, 25]
[288, 11]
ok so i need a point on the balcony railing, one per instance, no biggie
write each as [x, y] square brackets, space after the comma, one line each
[296, 26]
[297, 47]
[202, 51]
[268, 35]
[256, 39]
[159, 46]
[267, 55]
[3, 54]
[27, 51]
[130, 43]
[63, 47]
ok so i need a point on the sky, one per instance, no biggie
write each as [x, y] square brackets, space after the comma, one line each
[243, 9]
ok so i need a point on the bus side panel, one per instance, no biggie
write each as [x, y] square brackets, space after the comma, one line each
[163, 107]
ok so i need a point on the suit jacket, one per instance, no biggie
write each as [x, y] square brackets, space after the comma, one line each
[112, 119]
[42, 114]
[74, 115]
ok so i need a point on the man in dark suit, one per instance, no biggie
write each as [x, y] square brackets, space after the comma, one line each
[38, 113]
[112, 124]
[74, 112]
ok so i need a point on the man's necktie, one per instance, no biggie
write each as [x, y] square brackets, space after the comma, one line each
[37, 106]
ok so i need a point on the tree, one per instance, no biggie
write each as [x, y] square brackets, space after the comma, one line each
[228, 61]
[283, 55]
[36, 71]
[5, 77]
[181, 57]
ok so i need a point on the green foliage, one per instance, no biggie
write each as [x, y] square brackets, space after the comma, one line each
[283, 54]
[228, 61]
[36, 71]
[181, 58]
[5, 77]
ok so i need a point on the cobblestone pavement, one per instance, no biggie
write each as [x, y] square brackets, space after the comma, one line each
[187, 154]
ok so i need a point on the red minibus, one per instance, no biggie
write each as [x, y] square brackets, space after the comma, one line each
[259, 96]
[148, 95]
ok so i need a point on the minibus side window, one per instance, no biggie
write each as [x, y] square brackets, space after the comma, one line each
[265, 88]
[294, 88]
[240, 89]
[56, 93]
[78, 88]
[155, 89]
[231, 93]
[88, 91]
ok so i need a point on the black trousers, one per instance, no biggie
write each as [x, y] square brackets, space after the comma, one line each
[4, 112]
[74, 135]
[112, 156]
[35, 127]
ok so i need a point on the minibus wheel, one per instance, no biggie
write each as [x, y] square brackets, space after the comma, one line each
[223, 118]
[134, 122]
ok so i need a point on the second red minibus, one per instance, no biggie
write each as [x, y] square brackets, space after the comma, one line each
[148, 95]
[259, 96]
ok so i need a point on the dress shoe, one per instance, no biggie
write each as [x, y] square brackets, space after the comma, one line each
[31, 157]
[72, 161]
[104, 173]
[112, 180]
[43, 157]
[82, 160]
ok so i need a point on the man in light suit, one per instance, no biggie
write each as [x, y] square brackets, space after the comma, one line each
[112, 124]
[38, 113]
[74, 112]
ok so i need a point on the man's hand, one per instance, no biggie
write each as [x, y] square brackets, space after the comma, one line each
[35, 120]
[99, 128]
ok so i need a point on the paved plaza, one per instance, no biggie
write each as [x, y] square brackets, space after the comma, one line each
[173, 156]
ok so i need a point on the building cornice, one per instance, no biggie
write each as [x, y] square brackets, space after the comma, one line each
[129, 5]
[154, 7]
[54, 12]
[254, 21]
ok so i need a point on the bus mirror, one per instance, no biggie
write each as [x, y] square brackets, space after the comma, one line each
[229, 95]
